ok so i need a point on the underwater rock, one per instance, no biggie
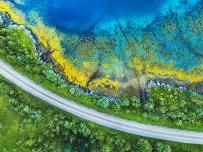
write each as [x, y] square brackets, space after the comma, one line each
[134, 86]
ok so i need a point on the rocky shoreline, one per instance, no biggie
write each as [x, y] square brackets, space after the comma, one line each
[41, 50]
[145, 87]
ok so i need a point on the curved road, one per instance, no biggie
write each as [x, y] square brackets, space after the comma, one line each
[103, 119]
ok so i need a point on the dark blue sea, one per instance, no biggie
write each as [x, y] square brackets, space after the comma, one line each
[84, 15]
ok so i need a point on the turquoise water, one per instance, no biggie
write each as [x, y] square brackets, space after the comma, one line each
[160, 28]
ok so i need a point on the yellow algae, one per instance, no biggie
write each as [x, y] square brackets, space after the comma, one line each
[73, 74]
[15, 15]
[106, 66]
[50, 39]
[139, 65]
[77, 76]
[179, 74]
[105, 82]
[88, 64]
[169, 71]
[82, 78]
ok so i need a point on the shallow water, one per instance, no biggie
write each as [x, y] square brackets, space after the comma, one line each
[111, 34]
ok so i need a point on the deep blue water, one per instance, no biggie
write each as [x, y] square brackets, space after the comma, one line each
[84, 15]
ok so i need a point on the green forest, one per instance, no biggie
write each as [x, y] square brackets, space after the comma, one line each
[28, 124]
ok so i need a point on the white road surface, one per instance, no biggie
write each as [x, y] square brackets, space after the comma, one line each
[106, 120]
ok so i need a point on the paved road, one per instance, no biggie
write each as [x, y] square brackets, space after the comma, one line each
[103, 119]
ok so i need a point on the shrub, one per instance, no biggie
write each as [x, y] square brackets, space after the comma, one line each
[160, 147]
[143, 146]
[182, 107]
